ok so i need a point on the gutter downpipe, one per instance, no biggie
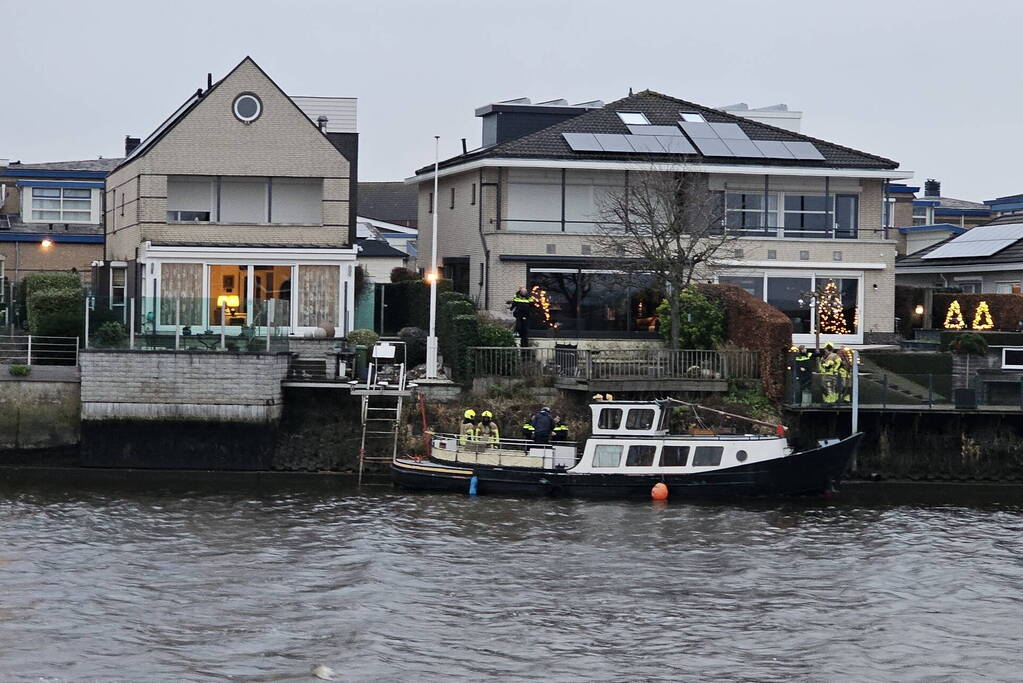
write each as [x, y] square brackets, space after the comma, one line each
[483, 241]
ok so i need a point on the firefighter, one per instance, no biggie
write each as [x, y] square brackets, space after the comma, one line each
[467, 430]
[521, 306]
[845, 374]
[560, 431]
[829, 368]
[803, 362]
[487, 431]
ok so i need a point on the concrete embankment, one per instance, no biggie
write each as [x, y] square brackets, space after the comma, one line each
[39, 411]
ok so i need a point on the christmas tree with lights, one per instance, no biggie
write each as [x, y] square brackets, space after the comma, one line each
[982, 317]
[831, 315]
[954, 317]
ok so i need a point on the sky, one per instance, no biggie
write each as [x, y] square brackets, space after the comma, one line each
[936, 85]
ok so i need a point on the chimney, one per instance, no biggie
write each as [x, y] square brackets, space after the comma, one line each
[321, 123]
[512, 119]
[130, 144]
[209, 82]
[932, 188]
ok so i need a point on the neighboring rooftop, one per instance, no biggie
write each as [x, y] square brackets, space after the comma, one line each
[663, 111]
[393, 202]
[776, 115]
[988, 245]
[91, 165]
[375, 248]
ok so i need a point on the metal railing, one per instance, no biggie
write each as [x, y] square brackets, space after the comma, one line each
[38, 350]
[505, 453]
[625, 364]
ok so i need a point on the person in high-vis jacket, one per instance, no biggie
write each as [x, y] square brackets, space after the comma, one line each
[467, 430]
[845, 356]
[560, 431]
[521, 307]
[487, 431]
[829, 368]
[803, 363]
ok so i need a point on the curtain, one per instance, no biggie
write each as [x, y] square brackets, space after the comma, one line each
[318, 296]
[182, 280]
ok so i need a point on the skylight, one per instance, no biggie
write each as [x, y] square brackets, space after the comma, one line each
[633, 118]
[692, 117]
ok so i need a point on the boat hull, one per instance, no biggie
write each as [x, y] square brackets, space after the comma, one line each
[805, 473]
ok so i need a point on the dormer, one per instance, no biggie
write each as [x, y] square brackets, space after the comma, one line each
[629, 418]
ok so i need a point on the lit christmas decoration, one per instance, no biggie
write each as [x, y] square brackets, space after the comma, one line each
[954, 317]
[982, 317]
[856, 319]
[543, 302]
[831, 315]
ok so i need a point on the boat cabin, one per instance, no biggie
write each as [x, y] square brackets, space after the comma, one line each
[630, 418]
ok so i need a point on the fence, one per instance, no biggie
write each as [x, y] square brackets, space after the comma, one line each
[919, 391]
[36, 350]
[630, 364]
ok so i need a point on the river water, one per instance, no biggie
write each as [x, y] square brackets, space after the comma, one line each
[147, 583]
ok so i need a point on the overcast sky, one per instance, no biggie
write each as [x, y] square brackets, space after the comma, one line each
[937, 85]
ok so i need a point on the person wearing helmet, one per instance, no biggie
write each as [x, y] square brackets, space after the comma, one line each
[829, 369]
[487, 430]
[467, 430]
[543, 425]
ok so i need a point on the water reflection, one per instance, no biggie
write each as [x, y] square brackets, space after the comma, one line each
[158, 584]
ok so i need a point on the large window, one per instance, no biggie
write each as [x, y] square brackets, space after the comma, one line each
[793, 295]
[593, 301]
[558, 200]
[244, 200]
[800, 215]
[61, 205]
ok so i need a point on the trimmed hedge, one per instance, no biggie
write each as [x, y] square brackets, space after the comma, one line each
[409, 301]
[453, 308]
[56, 312]
[37, 282]
[1006, 309]
[756, 325]
[415, 345]
[463, 332]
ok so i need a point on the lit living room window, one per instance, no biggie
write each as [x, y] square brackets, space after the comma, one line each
[62, 204]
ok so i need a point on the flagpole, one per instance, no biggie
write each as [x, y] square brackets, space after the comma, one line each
[431, 340]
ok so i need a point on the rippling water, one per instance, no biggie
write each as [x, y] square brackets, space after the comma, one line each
[173, 585]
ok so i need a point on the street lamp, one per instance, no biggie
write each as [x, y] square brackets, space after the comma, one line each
[431, 339]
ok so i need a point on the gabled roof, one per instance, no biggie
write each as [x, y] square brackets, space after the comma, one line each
[660, 110]
[378, 249]
[389, 201]
[949, 203]
[193, 101]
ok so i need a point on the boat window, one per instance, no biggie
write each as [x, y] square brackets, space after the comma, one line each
[607, 456]
[640, 418]
[640, 456]
[674, 456]
[610, 418]
[707, 456]
[741, 456]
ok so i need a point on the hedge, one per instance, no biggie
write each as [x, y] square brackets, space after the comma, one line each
[409, 301]
[1006, 309]
[464, 332]
[446, 314]
[756, 325]
[37, 282]
[56, 312]
[701, 322]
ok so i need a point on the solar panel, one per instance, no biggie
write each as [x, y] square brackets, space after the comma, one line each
[582, 142]
[804, 150]
[773, 149]
[984, 241]
[655, 130]
[676, 145]
[729, 131]
[613, 142]
[699, 130]
[744, 148]
[713, 148]
[646, 144]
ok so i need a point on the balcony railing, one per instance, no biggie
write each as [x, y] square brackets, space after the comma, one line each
[629, 364]
[38, 350]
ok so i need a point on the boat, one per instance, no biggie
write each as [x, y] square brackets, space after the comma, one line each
[629, 453]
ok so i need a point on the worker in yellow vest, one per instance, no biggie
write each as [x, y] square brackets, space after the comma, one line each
[829, 368]
[487, 431]
[467, 430]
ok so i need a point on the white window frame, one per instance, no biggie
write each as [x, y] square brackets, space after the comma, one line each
[1006, 366]
[692, 117]
[1013, 283]
[28, 210]
[778, 214]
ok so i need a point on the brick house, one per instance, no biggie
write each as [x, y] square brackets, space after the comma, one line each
[51, 216]
[521, 210]
[239, 205]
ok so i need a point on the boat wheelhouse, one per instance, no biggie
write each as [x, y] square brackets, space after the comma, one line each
[631, 449]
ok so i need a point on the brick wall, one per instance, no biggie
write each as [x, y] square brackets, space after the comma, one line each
[182, 385]
[24, 258]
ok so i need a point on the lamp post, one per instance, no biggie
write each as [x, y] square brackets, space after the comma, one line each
[431, 339]
[813, 300]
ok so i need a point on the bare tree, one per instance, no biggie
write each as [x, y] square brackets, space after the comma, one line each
[666, 226]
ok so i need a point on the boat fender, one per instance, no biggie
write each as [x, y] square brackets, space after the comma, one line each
[473, 484]
[659, 491]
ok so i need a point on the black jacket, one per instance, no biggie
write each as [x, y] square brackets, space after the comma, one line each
[543, 423]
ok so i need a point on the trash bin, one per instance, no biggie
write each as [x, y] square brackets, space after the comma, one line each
[361, 361]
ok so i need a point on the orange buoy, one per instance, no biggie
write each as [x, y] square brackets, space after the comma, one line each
[659, 491]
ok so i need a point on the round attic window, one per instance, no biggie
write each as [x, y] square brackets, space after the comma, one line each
[247, 107]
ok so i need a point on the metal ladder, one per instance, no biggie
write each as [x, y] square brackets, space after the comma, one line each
[380, 423]
[387, 382]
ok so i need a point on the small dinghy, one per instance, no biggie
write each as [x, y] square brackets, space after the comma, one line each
[630, 453]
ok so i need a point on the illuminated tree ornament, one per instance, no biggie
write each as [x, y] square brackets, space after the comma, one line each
[954, 317]
[982, 317]
[543, 302]
[831, 314]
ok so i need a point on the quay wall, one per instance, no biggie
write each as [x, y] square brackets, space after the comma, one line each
[180, 410]
[39, 412]
[924, 445]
